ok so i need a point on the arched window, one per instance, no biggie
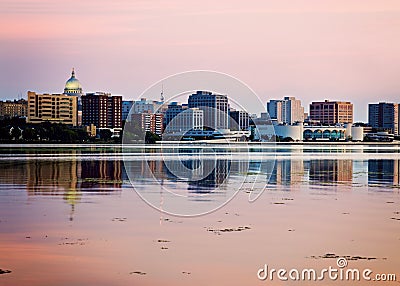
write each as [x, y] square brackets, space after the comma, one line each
[326, 134]
[307, 134]
[318, 134]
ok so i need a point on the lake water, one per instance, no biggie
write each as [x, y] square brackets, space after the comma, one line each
[105, 215]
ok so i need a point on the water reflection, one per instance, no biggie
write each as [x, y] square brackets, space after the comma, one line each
[78, 172]
[67, 179]
[331, 171]
[384, 172]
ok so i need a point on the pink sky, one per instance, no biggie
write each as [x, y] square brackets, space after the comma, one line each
[311, 49]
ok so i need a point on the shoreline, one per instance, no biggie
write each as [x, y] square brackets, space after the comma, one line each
[198, 143]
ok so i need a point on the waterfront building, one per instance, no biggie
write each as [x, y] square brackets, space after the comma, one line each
[286, 111]
[102, 110]
[144, 105]
[149, 122]
[189, 119]
[215, 108]
[55, 108]
[331, 112]
[239, 120]
[300, 132]
[15, 108]
[173, 109]
[126, 107]
[384, 116]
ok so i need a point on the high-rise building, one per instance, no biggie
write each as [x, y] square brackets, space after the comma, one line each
[287, 111]
[126, 107]
[385, 116]
[57, 108]
[214, 106]
[189, 119]
[173, 110]
[144, 105]
[102, 110]
[149, 122]
[331, 112]
[15, 108]
[240, 120]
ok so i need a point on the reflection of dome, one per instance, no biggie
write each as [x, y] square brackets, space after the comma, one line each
[73, 86]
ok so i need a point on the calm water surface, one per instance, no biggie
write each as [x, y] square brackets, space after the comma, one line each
[69, 215]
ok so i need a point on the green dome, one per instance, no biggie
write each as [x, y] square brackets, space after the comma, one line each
[73, 86]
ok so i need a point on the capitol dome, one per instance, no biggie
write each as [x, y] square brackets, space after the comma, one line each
[73, 86]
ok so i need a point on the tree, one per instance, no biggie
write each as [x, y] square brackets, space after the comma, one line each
[151, 138]
[105, 134]
[29, 134]
[4, 134]
[15, 133]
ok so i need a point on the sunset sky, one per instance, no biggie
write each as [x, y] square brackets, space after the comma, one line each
[310, 49]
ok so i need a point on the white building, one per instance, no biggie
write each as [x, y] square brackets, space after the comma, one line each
[286, 111]
[189, 119]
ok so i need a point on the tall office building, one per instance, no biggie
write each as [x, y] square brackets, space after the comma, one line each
[57, 108]
[385, 116]
[144, 105]
[287, 111]
[239, 120]
[126, 107]
[149, 122]
[215, 108]
[189, 119]
[173, 109]
[102, 110]
[332, 112]
[15, 108]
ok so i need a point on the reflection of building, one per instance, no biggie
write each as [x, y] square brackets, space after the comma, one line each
[331, 112]
[384, 171]
[102, 109]
[214, 106]
[214, 175]
[97, 174]
[329, 171]
[15, 108]
[287, 172]
[385, 116]
[239, 120]
[288, 110]
[55, 108]
[51, 177]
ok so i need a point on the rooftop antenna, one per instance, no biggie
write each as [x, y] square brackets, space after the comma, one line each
[162, 93]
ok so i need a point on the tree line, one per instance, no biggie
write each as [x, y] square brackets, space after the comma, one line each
[16, 130]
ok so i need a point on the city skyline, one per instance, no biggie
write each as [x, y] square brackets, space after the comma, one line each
[341, 50]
